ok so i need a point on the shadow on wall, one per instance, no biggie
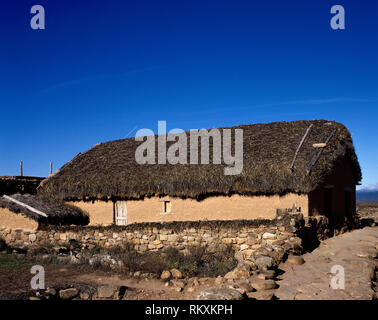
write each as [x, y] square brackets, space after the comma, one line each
[318, 228]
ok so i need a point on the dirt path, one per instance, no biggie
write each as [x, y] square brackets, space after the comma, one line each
[355, 251]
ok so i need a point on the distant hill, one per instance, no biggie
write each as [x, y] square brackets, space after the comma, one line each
[367, 196]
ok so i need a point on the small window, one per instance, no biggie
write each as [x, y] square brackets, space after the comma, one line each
[167, 207]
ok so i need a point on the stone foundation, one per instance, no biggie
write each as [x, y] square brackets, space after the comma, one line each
[260, 244]
[282, 231]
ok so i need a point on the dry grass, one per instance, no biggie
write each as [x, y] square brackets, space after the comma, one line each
[109, 170]
[197, 261]
[368, 213]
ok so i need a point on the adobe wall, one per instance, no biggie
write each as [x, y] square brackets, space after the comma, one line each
[235, 207]
[100, 212]
[340, 180]
[16, 221]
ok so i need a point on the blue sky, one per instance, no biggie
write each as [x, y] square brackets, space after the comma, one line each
[101, 70]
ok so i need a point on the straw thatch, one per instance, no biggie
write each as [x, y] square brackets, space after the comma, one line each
[109, 170]
[58, 213]
[19, 184]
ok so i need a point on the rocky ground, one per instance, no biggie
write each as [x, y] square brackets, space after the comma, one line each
[300, 277]
[306, 277]
[368, 213]
[356, 252]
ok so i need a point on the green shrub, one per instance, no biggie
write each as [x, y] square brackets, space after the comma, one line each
[12, 262]
[195, 262]
[198, 262]
[42, 249]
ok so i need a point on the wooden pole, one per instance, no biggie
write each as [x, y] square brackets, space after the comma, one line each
[299, 146]
[50, 167]
[21, 168]
[318, 152]
[26, 206]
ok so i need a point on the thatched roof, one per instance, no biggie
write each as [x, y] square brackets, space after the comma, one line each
[57, 212]
[19, 184]
[110, 170]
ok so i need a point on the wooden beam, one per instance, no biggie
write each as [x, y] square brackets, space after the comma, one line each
[299, 146]
[318, 152]
[26, 206]
[319, 145]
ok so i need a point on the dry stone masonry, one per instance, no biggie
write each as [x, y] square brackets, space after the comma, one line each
[259, 244]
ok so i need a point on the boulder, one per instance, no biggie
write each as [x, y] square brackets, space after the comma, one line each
[243, 286]
[263, 284]
[295, 260]
[108, 292]
[244, 247]
[249, 265]
[268, 235]
[50, 292]
[165, 275]
[220, 293]
[267, 274]
[176, 273]
[237, 274]
[68, 294]
[264, 262]
[259, 295]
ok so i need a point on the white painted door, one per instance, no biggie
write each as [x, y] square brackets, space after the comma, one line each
[121, 213]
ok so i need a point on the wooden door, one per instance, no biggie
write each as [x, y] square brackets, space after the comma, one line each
[120, 213]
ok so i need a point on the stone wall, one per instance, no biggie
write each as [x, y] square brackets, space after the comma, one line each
[258, 244]
[241, 234]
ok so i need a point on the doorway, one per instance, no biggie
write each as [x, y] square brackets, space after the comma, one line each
[120, 212]
[328, 208]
